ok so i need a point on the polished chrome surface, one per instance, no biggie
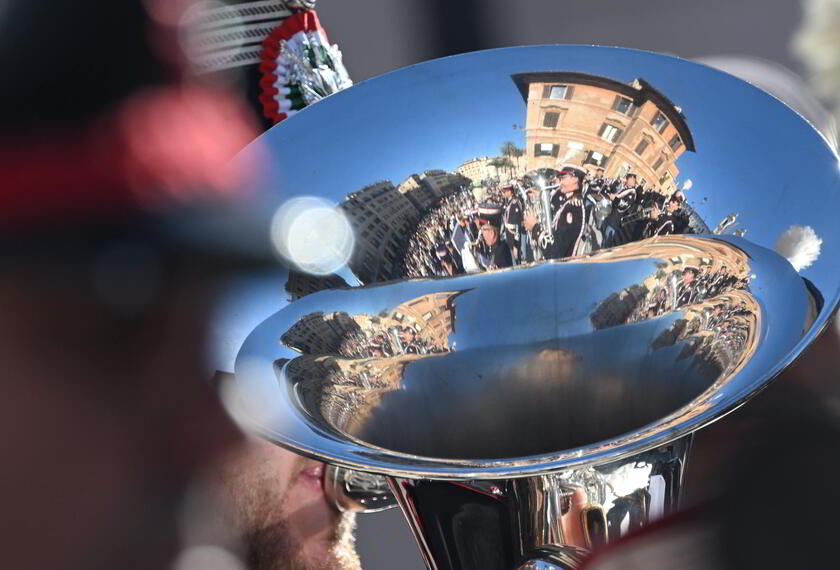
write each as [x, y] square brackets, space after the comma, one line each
[612, 353]
[356, 491]
[554, 518]
[652, 312]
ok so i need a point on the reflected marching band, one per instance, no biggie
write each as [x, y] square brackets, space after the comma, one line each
[548, 215]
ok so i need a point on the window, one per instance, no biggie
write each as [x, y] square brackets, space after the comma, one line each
[675, 142]
[545, 149]
[658, 163]
[558, 91]
[642, 146]
[609, 132]
[659, 122]
[596, 158]
[623, 105]
[550, 120]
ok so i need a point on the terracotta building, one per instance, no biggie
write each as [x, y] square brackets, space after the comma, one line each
[596, 122]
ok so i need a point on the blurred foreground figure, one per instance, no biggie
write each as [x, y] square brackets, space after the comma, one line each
[107, 412]
[277, 507]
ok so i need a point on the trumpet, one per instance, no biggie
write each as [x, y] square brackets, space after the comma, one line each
[532, 443]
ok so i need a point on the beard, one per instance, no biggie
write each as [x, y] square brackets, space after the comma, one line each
[284, 526]
[275, 548]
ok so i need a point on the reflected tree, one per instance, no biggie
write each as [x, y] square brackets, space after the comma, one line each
[511, 152]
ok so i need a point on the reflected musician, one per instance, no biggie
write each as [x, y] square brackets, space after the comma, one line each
[489, 252]
[512, 220]
[623, 204]
[659, 223]
[566, 236]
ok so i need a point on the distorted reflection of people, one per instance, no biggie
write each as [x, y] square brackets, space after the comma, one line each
[512, 221]
[586, 212]
[491, 252]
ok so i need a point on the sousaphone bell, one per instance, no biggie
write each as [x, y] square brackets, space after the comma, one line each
[524, 415]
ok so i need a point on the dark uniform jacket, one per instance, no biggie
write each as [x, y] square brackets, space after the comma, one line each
[568, 228]
[661, 226]
[513, 220]
[495, 256]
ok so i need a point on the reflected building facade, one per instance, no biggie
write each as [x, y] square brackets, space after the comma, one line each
[382, 219]
[350, 362]
[477, 169]
[425, 190]
[320, 333]
[419, 326]
[618, 307]
[595, 122]
[301, 284]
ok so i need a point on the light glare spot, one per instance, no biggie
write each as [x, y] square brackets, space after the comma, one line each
[244, 408]
[313, 235]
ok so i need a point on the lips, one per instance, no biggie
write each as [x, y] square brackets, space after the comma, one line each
[313, 476]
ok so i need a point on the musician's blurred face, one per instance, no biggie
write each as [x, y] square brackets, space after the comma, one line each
[655, 211]
[673, 206]
[105, 419]
[490, 235]
[279, 508]
[630, 181]
[569, 184]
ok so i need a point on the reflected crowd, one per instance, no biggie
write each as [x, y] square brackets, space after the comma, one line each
[717, 332]
[546, 214]
[678, 288]
[435, 248]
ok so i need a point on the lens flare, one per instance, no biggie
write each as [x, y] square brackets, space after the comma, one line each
[313, 235]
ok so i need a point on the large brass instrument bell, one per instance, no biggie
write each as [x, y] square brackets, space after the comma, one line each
[524, 415]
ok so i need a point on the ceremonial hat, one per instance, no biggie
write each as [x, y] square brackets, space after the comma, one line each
[569, 170]
[490, 214]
